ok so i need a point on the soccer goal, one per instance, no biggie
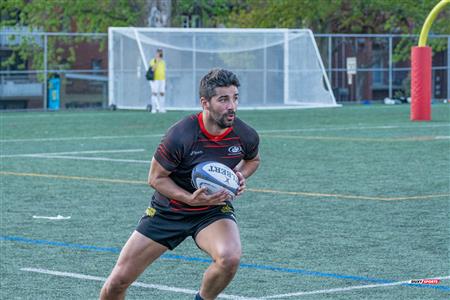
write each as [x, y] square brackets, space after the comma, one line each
[277, 68]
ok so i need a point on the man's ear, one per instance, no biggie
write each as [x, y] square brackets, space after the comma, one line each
[204, 103]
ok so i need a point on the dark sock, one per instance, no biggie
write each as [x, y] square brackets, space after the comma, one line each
[198, 297]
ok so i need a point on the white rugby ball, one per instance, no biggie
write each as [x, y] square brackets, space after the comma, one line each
[215, 177]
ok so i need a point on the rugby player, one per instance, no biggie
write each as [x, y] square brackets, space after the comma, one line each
[178, 210]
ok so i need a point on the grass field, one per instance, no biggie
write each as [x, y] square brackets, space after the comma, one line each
[349, 203]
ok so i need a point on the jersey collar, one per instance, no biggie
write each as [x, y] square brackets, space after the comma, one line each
[209, 135]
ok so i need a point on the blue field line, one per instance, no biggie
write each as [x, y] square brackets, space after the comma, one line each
[207, 260]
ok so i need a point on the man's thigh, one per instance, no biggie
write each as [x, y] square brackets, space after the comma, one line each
[220, 238]
[137, 254]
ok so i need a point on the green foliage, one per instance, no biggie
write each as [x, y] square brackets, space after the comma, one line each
[346, 16]
[212, 13]
[65, 16]
[73, 15]
[340, 16]
[322, 16]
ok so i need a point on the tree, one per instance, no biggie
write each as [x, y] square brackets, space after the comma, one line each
[339, 16]
[348, 16]
[73, 15]
[343, 16]
[210, 13]
[65, 16]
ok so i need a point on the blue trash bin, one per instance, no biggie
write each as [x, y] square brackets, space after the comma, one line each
[53, 95]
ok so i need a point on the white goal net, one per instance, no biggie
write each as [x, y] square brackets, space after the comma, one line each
[277, 68]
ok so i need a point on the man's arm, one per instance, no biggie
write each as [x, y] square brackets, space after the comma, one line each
[158, 178]
[245, 169]
[248, 167]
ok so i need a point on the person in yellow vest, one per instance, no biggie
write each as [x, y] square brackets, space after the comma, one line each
[158, 84]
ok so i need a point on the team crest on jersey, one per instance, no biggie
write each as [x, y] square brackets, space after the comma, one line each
[234, 150]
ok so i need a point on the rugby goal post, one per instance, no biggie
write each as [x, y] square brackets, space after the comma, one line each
[277, 68]
[421, 65]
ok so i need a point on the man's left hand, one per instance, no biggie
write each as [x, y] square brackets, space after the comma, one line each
[242, 185]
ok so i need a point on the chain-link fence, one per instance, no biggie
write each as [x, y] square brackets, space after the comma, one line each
[39, 68]
[360, 67]
[364, 67]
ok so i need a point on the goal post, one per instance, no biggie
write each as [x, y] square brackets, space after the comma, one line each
[421, 68]
[277, 68]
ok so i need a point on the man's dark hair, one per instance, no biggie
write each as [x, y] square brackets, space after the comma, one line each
[216, 78]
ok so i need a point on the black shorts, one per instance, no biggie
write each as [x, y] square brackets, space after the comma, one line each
[170, 228]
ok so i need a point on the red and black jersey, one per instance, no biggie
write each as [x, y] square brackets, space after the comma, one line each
[187, 143]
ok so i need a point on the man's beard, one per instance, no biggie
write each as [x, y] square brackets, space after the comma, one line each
[222, 121]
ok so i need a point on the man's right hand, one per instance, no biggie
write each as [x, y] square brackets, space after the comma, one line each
[201, 197]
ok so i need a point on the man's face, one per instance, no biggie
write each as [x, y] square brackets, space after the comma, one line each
[223, 105]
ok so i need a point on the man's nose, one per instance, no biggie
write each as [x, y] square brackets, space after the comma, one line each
[231, 105]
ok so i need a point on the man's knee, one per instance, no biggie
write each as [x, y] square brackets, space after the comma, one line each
[228, 262]
[161, 94]
[155, 94]
[117, 284]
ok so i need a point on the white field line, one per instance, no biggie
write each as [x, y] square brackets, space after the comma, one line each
[58, 217]
[67, 155]
[73, 138]
[260, 131]
[138, 284]
[352, 128]
[350, 288]
[75, 152]
[64, 115]
[91, 158]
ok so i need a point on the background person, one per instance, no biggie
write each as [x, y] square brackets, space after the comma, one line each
[158, 84]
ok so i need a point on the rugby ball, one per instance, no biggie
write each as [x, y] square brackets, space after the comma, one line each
[215, 177]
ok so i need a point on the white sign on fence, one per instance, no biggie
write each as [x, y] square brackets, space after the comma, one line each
[351, 68]
[351, 65]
